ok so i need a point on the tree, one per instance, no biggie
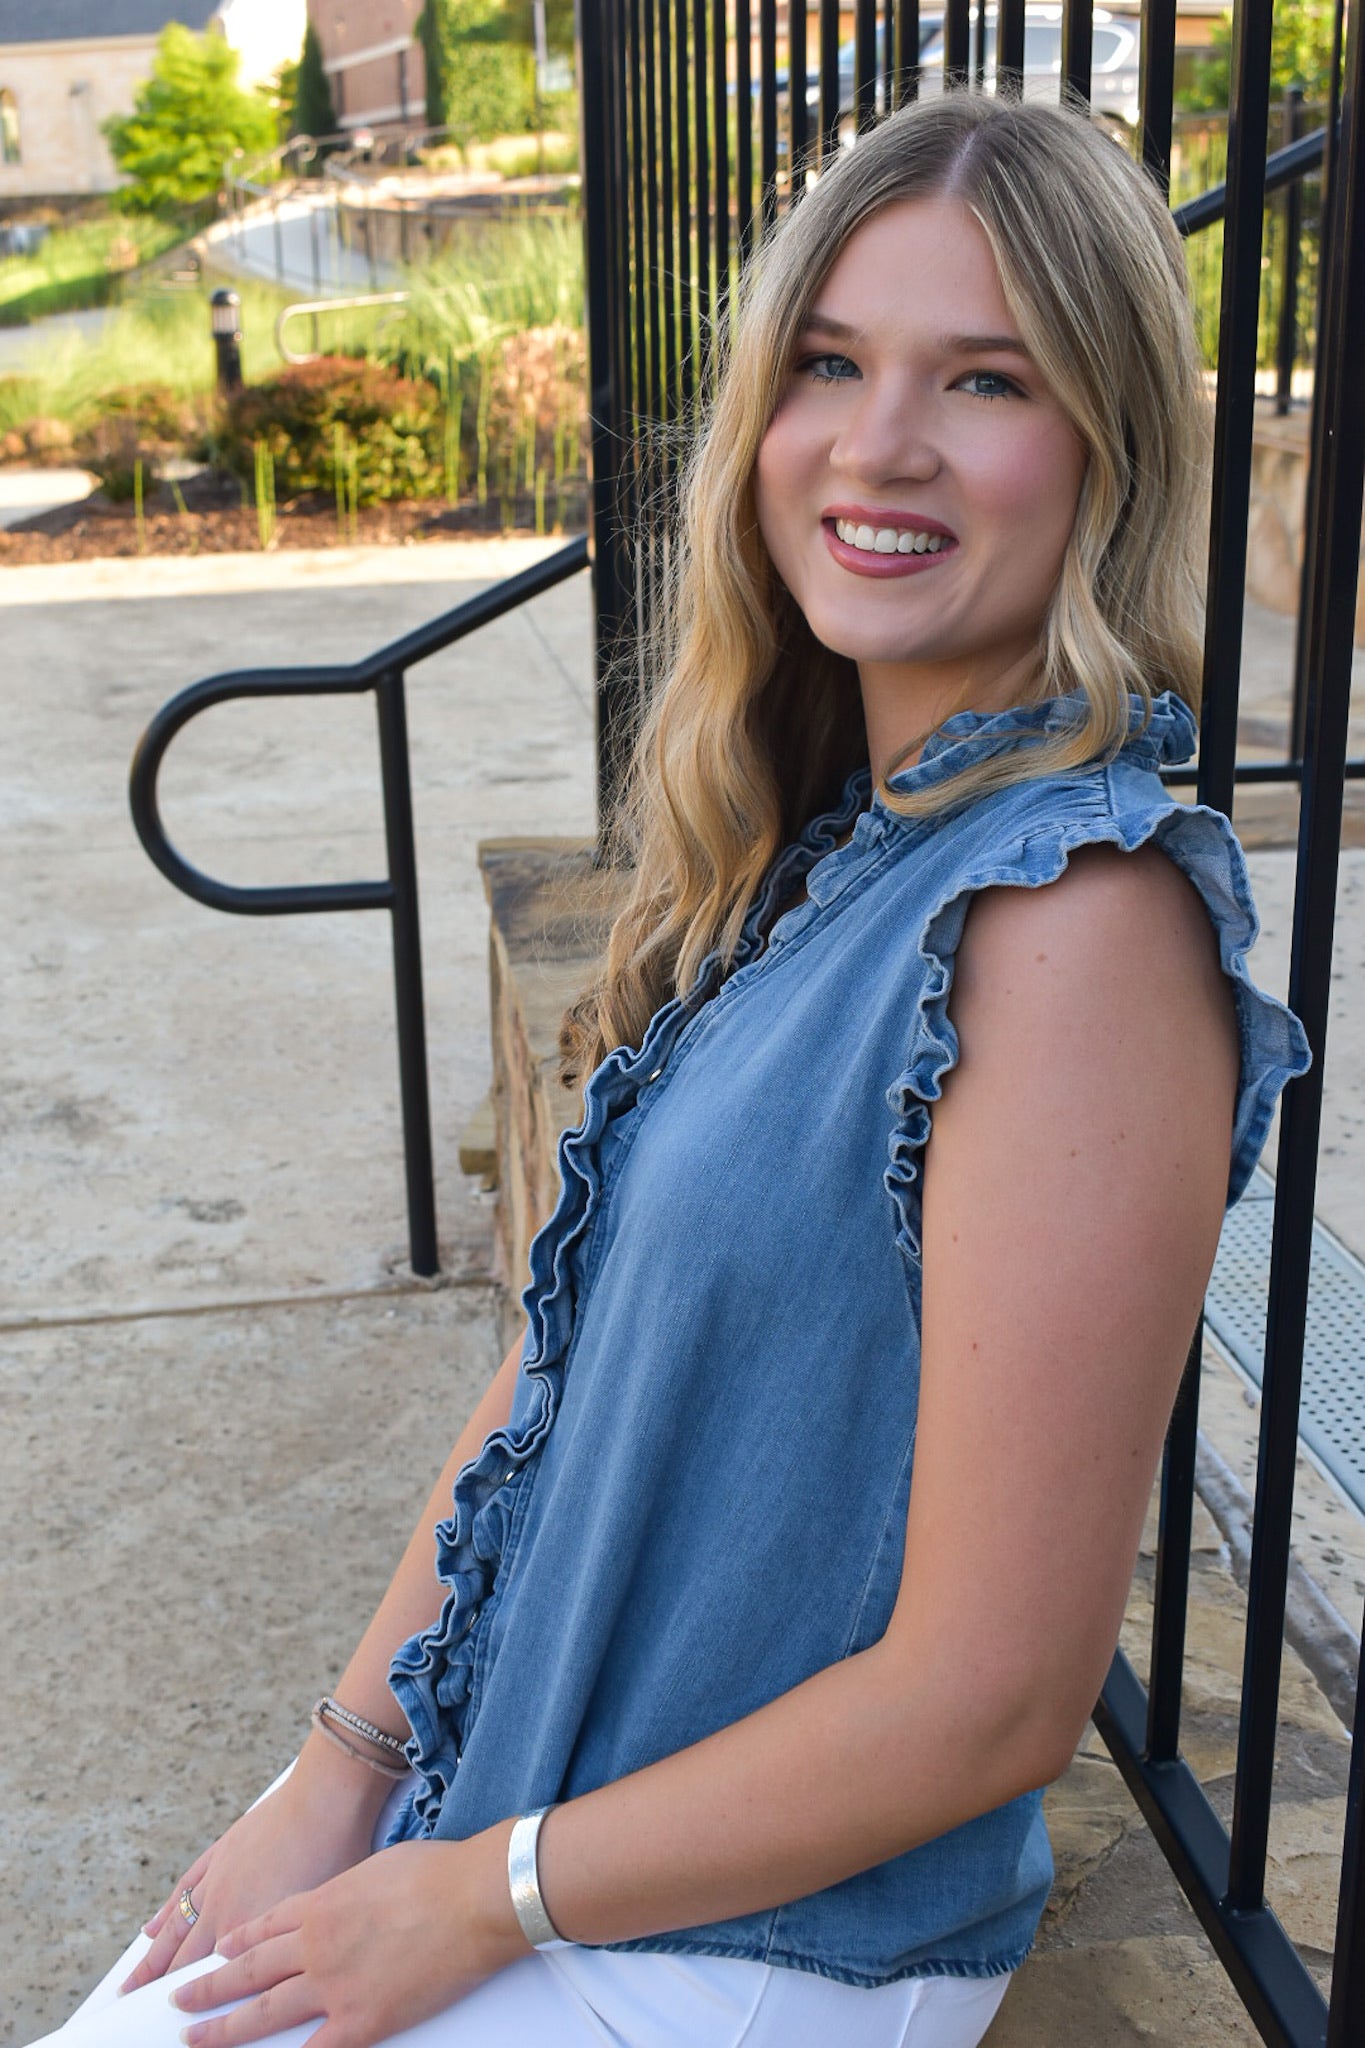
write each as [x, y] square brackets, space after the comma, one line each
[188, 119]
[485, 69]
[314, 113]
[433, 35]
[1300, 54]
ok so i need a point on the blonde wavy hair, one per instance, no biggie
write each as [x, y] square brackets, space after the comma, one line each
[756, 726]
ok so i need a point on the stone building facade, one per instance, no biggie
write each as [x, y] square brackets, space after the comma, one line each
[68, 65]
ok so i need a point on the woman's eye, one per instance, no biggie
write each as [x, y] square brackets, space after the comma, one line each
[994, 383]
[827, 369]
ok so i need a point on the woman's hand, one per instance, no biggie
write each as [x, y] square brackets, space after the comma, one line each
[316, 1822]
[401, 1936]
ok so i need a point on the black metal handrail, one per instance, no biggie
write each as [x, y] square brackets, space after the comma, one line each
[1286, 166]
[383, 673]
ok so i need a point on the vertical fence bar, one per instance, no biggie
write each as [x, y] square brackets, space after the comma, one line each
[864, 64]
[702, 188]
[720, 59]
[651, 213]
[1175, 1527]
[682, 142]
[1287, 339]
[767, 111]
[637, 253]
[1009, 50]
[905, 55]
[1292, 1240]
[407, 974]
[1339, 431]
[600, 26]
[957, 42]
[1234, 415]
[1078, 46]
[744, 127]
[668, 222]
[1312, 540]
[1175, 1534]
[1156, 89]
[798, 107]
[829, 80]
[1346, 2020]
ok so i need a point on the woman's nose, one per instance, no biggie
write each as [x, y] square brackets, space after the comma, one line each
[886, 434]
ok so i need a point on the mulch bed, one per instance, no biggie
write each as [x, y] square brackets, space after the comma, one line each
[215, 522]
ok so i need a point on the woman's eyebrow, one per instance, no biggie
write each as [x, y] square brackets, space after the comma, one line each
[825, 323]
[948, 344]
[982, 344]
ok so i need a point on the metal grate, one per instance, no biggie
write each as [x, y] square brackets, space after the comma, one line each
[1332, 1417]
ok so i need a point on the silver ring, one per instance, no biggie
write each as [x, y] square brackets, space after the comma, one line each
[189, 1910]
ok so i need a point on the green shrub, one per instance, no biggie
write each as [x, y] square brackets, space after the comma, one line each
[389, 426]
[145, 424]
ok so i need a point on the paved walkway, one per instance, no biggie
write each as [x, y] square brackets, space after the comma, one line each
[212, 1370]
[24, 493]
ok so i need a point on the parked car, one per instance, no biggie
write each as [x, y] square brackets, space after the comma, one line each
[1114, 62]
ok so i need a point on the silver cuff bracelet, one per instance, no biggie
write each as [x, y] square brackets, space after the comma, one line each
[524, 1883]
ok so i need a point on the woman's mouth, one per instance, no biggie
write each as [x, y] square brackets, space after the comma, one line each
[888, 540]
[879, 551]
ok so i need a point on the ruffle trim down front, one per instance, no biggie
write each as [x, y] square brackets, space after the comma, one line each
[433, 1676]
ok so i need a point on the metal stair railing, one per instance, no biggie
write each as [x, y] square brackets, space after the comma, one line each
[384, 673]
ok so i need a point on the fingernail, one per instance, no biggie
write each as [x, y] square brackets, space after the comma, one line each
[189, 2035]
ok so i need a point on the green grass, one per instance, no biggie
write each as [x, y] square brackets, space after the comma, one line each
[527, 273]
[154, 337]
[78, 266]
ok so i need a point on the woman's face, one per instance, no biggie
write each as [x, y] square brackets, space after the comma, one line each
[917, 486]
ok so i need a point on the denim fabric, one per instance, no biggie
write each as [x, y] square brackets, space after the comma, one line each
[700, 1497]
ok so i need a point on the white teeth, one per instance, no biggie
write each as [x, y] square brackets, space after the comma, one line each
[888, 540]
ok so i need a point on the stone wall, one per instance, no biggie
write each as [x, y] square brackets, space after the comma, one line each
[550, 913]
[1279, 481]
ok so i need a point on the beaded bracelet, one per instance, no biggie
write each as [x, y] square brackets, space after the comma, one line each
[353, 1730]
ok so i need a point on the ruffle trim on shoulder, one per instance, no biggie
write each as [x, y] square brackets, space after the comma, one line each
[433, 1675]
[1201, 842]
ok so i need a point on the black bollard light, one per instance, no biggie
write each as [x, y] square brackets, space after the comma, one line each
[225, 318]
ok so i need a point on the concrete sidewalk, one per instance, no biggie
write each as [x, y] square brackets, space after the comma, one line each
[212, 1366]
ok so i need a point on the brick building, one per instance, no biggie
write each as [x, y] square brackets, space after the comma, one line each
[373, 63]
[67, 65]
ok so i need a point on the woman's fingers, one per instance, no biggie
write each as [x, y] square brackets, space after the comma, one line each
[279, 2006]
[172, 1902]
[252, 1972]
[178, 1940]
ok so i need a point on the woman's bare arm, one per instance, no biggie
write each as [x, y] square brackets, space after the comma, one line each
[413, 1599]
[321, 1820]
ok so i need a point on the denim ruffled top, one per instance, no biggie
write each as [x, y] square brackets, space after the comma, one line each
[700, 1496]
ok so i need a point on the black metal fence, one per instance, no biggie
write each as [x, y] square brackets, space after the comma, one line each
[702, 121]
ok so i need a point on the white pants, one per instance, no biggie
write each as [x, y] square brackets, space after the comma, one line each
[565, 1996]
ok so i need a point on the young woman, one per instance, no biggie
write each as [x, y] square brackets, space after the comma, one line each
[788, 1553]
